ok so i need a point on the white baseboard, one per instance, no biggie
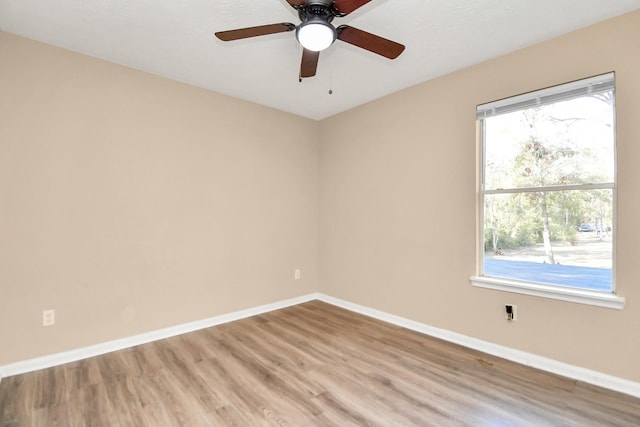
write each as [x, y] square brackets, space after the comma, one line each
[119, 344]
[577, 373]
[529, 359]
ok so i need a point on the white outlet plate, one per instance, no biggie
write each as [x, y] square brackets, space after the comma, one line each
[514, 312]
[48, 317]
[296, 274]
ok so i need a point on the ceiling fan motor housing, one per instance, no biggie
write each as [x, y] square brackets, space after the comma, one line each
[318, 10]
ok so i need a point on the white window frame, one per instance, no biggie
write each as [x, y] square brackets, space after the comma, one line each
[550, 95]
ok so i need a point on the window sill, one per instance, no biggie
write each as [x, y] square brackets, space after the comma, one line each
[553, 292]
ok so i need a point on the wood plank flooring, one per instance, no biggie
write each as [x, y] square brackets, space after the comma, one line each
[308, 365]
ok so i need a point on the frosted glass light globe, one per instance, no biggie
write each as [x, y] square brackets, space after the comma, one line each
[316, 35]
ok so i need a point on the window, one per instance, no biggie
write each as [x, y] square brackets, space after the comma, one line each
[547, 193]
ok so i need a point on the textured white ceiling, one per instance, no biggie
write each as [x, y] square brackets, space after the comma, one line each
[174, 38]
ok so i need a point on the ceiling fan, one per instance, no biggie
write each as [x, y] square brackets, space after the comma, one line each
[316, 33]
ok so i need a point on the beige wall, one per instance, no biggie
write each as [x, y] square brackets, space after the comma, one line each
[129, 202]
[398, 179]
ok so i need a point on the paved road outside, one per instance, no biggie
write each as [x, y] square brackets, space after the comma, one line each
[585, 264]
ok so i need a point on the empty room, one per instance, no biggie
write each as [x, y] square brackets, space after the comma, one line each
[319, 213]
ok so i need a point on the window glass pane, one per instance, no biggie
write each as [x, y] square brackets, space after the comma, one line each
[553, 237]
[565, 143]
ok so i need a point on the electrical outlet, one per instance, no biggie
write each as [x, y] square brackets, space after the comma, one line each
[296, 274]
[48, 317]
[511, 312]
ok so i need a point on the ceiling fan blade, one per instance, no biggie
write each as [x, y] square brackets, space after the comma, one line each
[370, 42]
[261, 30]
[297, 3]
[347, 6]
[309, 63]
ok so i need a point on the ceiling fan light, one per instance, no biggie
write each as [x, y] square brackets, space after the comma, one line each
[316, 35]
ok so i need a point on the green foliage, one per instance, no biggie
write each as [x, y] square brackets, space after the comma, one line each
[550, 155]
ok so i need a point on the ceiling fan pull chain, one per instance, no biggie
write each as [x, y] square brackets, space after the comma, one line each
[331, 77]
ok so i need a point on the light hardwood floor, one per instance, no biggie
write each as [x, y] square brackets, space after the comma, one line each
[308, 365]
